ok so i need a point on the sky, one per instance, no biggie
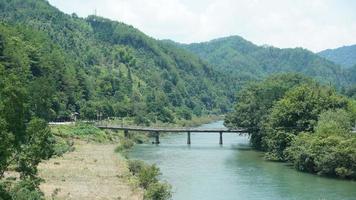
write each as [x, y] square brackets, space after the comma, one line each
[312, 24]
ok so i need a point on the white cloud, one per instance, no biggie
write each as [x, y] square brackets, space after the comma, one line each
[312, 24]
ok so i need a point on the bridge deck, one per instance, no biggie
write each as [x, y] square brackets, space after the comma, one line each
[193, 130]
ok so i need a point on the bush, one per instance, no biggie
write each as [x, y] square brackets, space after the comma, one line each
[124, 144]
[276, 143]
[332, 155]
[334, 122]
[22, 190]
[148, 179]
[148, 175]
[81, 129]
[62, 146]
[25, 190]
[135, 166]
[158, 191]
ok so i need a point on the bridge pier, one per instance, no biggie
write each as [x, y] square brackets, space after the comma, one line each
[157, 137]
[188, 139]
[220, 139]
[126, 133]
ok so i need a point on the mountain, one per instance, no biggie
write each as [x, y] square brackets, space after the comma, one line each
[101, 68]
[247, 61]
[344, 56]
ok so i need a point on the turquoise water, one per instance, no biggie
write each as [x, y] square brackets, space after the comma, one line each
[207, 171]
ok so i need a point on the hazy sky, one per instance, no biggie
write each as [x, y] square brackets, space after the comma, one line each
[312, 24]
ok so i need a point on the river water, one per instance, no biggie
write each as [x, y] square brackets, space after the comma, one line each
[207, 171]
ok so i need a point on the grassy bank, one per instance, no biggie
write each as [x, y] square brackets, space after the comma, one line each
[79, 147]
[145, 176]
[86, 166]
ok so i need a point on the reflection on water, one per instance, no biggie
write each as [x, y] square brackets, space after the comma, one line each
[207, 171]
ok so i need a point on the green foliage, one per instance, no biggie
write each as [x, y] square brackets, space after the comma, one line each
[26, 190]
[39, 145]
[6, 145]
[148, 179]
[81, 129]
[352, 110]
[62, 146]
[148, 175]
[247, 61]
[255, 101]
[344, 56]
[124, 144]
[158, 191]
[332, 155]
[298, 111]
[294, 119]
[35, 145]
[334, 122]
[84, 131]
[135, 166]
[101, 68]
[331, 150]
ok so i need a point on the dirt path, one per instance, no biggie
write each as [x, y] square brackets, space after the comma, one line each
[92, 171]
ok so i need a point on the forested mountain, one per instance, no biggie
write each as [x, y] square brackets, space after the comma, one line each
[344, 56]
[248, 61]
[96, 67]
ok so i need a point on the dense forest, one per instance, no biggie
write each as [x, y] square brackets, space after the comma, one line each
[248, 61]
[344, 56]
[293, 118]
[97, 67]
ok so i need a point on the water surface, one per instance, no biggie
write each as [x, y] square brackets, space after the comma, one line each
[207, 171]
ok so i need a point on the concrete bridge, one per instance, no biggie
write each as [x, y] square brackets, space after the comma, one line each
[157, 131]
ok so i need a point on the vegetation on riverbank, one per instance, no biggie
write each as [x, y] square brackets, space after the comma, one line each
[297, 120]
[145, 174]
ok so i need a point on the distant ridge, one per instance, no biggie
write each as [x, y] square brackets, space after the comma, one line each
[248, 61]
[344, 56]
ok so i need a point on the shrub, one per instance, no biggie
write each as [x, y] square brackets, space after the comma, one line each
[124, 144]
[22, 191]
[158, 191]
[135, 166]
[148, 175]
[85, 129]
[334, 122]
[62, 146]
[148, 179]
[332, 155]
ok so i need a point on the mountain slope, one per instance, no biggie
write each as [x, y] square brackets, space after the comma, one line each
[344, 56]
[249, 61]
[113, 69]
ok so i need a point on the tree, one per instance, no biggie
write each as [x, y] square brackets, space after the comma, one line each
[38, 145]
[334, 122]
[6, 146]
[255, 101]
[297, 112]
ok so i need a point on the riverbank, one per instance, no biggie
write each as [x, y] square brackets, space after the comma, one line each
[87, 166]
[97, 166]
[91, 171]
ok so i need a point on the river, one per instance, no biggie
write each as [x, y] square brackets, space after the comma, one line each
[207, 171]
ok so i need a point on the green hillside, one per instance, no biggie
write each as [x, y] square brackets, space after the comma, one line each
[98, 67]
[249, 61]
[344, 56]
